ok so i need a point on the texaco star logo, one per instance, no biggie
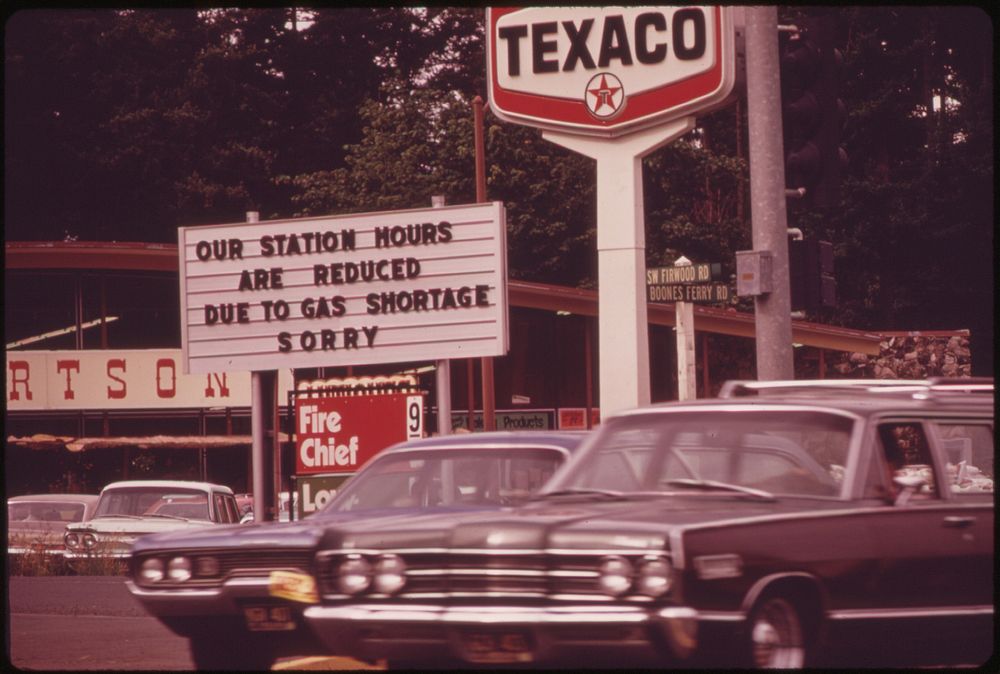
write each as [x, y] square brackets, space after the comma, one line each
[604, 95]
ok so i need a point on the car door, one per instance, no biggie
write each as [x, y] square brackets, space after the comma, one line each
[935, 551]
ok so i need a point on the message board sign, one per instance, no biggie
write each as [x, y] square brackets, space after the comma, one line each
[399, 286]
[339, 434]
[608, 70]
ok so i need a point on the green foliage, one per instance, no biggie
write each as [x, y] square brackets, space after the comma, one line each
[124, 124]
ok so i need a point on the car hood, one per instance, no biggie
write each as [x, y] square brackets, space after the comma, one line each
[301, 533]
[135, 527]
[564, 524]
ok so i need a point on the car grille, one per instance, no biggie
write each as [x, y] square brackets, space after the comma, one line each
[230, 564]
[462, 574]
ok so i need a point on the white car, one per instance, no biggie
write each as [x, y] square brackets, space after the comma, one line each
[130, 509]
[37, 522]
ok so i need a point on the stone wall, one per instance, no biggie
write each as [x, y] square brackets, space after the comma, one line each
[910, 355]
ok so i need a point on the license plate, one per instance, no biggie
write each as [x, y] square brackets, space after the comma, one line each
[498, 647]
[294, 586]
[269, 618]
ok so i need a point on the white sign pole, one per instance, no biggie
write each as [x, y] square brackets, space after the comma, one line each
[687, 386]
[263, 385]
[623, 330]
[442, 372]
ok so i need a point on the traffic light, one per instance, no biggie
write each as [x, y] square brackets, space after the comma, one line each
[810, 270]
[812, 113]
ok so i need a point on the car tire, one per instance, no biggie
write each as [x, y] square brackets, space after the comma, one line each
[229, 652]
[775, 636]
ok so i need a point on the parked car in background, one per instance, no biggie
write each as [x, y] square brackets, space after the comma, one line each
[286, 504]
[237, 592]
[36, 523]
[133, 508]
[784, 524]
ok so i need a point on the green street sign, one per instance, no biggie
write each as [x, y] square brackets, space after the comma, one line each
[704, 293]
[687, 273]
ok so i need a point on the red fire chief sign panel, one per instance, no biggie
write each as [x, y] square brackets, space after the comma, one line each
[340, 434]
[608, 70]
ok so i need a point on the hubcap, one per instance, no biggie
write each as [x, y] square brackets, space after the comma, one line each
[776, 636]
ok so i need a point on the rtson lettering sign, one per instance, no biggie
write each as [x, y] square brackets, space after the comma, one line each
[424, 284]
[608, 70]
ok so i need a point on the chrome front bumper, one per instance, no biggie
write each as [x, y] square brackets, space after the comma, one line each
[221, 600]
[415, 632]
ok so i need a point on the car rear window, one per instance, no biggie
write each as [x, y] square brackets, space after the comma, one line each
[45, 512]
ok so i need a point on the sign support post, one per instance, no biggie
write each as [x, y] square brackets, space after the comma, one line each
[263, 417]
[687, 388]
[623, 331]
[442, 372]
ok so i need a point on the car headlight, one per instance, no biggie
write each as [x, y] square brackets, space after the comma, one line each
[179, 569]
[654, 577]
[72, 540]
[151, 570]
[390, 574]
[615, 575]
[355, 575]
[89, 540]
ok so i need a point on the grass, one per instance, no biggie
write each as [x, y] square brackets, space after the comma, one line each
[35, 561]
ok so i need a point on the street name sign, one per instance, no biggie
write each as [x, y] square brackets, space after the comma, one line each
[685, 273]
[705, 293]
[608, 71]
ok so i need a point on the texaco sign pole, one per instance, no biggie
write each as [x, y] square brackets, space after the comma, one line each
[614, 84]
[623, 336]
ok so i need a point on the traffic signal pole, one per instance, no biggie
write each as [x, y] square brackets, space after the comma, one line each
[769, 218]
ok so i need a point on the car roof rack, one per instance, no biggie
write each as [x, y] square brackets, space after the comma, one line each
[922, 388]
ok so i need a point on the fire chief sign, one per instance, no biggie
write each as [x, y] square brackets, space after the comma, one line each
[608, 70]
[340, 434]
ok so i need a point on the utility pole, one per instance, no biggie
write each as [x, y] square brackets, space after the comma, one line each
[775, 358]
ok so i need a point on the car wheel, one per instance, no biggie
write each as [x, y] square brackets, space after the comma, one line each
[226, 652]
[775, 638]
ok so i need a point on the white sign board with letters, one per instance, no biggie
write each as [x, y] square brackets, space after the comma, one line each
[396, 286]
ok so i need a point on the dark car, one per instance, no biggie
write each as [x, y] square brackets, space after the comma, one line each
[783, 524]
[237, 592]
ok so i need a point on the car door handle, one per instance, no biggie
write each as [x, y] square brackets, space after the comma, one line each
[957, 522]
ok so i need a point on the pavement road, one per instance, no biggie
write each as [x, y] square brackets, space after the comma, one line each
[72, 623]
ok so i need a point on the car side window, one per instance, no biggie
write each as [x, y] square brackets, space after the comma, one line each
[234, 512]
[221, 514]
[968, 452]
[907, 454]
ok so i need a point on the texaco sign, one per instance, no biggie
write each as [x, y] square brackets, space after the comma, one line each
[608, 70]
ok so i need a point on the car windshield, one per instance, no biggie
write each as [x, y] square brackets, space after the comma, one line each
[775, 452]
[151, 501]
[45, 512]
[451, 478]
